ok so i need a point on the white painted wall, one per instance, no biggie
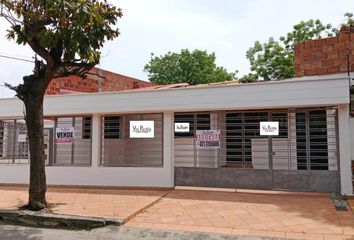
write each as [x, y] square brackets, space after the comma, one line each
[100, 176]
[302, 92]
[344, 150]
[352, 136]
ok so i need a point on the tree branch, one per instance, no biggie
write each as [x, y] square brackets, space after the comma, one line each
[66, 69]
[12, 87]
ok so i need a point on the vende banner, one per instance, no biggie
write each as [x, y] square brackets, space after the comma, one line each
[142, 129]
[269, 128]
[208, 139]
[64, 135]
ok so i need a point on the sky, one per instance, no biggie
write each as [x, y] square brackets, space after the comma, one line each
[226, 27]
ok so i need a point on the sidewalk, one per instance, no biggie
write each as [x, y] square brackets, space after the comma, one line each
[302, 216]
[105, 203]
[221, 211]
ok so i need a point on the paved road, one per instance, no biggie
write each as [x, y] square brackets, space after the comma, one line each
[8, 232]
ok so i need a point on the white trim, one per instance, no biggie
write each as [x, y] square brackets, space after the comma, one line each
[344, 150]
[270, 95]
[96, 140]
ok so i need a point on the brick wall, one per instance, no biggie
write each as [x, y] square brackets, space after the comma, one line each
[111, 82]
[325, 56]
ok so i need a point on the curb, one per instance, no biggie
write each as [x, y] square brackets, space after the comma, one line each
[252, 191]
[49, 220]
[339, 203]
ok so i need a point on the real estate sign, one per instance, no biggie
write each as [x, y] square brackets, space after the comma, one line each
[269, 128]
[142, 129]
[208, 139]
[182, 127]
[22, 138]
[64, 135]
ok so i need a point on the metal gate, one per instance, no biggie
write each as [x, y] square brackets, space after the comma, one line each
[303, 156]
[13, 141]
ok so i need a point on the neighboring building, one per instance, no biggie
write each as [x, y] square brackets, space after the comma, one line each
[292, 134]
[98, 80]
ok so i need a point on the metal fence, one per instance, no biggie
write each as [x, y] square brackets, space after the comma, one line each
[79, 151]
[119, 148]
[13, 141]
[307, 140]
[14, 144]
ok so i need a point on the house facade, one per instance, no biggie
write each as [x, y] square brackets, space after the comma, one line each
[292, 134]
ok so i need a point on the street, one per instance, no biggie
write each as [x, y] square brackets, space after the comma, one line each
[9, 232]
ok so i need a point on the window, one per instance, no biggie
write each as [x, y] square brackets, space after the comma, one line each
[311, 140]
[86, 127]
[282, 118]
[201, 120]
[111, 127]
[118, 148]
[241, 128]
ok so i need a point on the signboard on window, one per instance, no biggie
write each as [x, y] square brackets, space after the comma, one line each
[269, 128]
[22, 138]
[209, 139]
[142, 129]
[64, 135]
[182, 127]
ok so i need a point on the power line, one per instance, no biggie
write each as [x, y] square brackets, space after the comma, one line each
[16, 58]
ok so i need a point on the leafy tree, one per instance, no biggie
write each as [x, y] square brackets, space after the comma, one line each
[275, 59]
[67, 35]
[270, 60]
[195, 67]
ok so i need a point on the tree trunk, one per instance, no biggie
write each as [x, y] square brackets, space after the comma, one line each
[34, 122]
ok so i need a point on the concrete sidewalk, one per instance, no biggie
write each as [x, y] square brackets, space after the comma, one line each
[267, 213]
[103, 203]
[218, 211]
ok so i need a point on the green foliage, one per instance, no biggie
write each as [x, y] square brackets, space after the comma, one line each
[197, 67]
[274, 59]
[248, 78]
[270, 60]
[349, 21]
[311, 29]
[75, 28]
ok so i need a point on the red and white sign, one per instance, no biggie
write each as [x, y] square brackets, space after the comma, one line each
[208, 139]
[64, 135]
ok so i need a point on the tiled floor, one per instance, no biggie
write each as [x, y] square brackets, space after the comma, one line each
[275, 215]
[108, 203]
[221, 211]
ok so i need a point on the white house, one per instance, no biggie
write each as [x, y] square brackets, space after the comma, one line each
[291, 134]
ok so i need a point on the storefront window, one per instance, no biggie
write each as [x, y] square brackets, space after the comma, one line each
[111, 127]
[200, 120]
[86, 127]
[132, 140]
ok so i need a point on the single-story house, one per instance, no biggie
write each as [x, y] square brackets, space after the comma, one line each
[291, 134]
